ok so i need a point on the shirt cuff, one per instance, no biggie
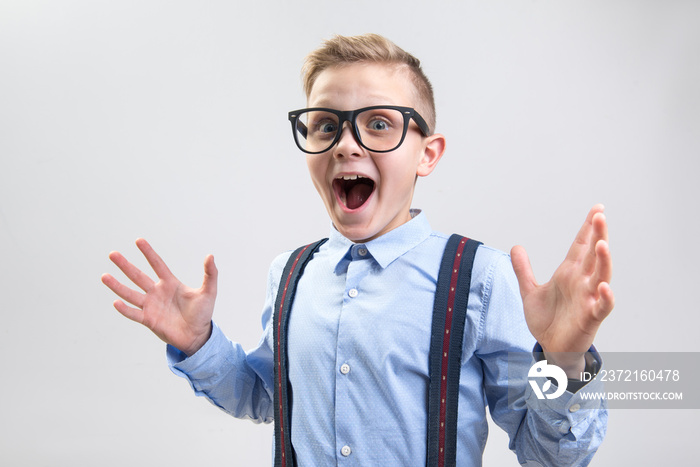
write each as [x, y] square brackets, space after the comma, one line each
[196, 366]
[573, 410]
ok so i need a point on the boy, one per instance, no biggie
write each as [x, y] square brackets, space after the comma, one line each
[359, 332]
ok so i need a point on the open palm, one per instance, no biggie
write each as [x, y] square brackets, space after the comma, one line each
[565, 313]
[177, 314]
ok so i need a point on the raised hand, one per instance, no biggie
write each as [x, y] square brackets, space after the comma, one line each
[565, 313]
[177, 314]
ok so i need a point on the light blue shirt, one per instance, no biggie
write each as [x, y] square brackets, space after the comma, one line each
[358, 344]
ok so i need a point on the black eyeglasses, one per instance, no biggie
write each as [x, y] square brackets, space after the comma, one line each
[380, 128]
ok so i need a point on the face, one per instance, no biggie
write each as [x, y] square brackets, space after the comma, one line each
[368, 194]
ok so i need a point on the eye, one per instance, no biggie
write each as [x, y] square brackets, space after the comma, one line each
[378, 125]
[380, 120]
[327, 127]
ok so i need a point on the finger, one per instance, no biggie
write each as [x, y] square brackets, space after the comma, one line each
[124, 292]
[153, 259]
[599, 232]
[582, 241]
[603, 264]
[132, 272]
[600, 226]
[523, 270]
[211, 274]
[134, 314]
[606, 302]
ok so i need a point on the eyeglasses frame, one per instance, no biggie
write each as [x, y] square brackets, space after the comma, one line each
[351, 116]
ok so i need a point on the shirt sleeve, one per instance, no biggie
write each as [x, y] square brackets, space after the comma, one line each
[566, 430]
[238, 382]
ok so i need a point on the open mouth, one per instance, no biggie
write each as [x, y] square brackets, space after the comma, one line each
[353, 190]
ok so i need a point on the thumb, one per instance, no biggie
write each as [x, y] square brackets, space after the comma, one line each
[523, 270]
[210, 276]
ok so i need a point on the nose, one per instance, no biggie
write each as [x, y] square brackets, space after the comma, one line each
[347, 145]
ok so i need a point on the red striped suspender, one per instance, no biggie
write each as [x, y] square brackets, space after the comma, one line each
[284, 452]
[449, 319]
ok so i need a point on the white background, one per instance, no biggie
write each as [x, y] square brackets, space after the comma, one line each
[167, 120]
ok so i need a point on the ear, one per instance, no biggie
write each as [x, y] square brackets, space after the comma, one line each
[433, 151]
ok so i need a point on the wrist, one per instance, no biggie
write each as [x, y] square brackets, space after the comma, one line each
[198, 342]
[572, 363]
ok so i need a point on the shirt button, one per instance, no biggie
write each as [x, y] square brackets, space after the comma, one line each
[353, 293]
[362, 251]
[574, 408]
[345, 368]
[345, 450]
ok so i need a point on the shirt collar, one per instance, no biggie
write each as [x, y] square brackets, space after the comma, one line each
[384, 249]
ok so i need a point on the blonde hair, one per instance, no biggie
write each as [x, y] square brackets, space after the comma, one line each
[373, 48]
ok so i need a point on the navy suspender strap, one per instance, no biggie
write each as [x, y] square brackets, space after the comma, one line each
[449, 316]
[284, 454]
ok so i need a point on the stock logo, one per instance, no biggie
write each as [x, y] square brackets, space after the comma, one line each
[541, 371]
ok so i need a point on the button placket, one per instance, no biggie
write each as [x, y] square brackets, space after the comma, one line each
[357, 270]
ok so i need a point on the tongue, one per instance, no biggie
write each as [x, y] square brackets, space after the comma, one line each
[357, 195]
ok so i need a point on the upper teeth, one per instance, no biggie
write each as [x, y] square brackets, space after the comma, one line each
[351, 177]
